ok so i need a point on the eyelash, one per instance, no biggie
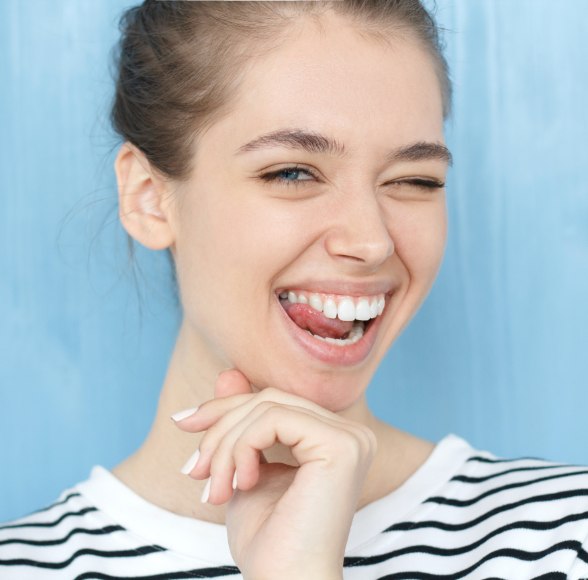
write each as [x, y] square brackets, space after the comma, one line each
[274, 176]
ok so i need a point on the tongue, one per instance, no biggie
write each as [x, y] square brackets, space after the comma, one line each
[308, 318]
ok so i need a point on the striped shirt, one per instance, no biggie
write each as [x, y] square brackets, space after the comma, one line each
[462, 514]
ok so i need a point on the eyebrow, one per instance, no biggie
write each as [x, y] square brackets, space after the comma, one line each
[317, 143]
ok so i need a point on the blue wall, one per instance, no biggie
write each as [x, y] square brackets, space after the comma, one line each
[498, 352]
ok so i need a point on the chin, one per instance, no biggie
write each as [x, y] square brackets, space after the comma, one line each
[335, 390]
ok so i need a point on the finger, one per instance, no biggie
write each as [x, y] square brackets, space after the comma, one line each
[215, 410]
[217, 458]
[221, 458]
[226, 430]
[311, 438]
[233, 382]
[207, 414]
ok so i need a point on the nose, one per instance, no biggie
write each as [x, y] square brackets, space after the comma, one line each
[358, 234]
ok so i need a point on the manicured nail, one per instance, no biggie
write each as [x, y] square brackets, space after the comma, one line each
[183, 414]
[235, 481]
[206, 491]
[191, 463]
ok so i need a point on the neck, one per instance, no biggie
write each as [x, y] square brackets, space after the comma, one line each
[153, 471]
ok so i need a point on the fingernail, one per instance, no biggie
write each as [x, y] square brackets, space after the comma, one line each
[235, 481]
[191, 463]
[183, 414]
[206, 491]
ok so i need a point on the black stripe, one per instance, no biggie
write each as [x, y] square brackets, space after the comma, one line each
[196, 573]
[140, 551]
[502, 553]
[483, 459]
[551, 576]
[92, 532]
[469, 502]
[50, 524]
[407, 526]
[448, 552]
[469, 479]
[62, 502]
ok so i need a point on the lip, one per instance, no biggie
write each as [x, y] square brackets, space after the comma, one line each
[342, 288]
[348, 355]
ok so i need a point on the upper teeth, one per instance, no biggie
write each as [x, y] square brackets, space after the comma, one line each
[343, 307]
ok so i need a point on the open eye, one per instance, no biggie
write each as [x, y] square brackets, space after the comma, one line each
[288, 176]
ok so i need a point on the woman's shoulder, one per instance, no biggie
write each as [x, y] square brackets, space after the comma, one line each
[482, 478]
[64, 539]
[41, 541]
[81, 536]
[523, 508]
[469, 513]
[68, 505]
[484, 472]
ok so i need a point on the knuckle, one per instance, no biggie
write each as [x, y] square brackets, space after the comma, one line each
[370, 438]
[245, 451]
[269, 394]
[265, 406]
[211, 439]
[219, 460]
[208, 441]
[358, 443]
[350, 445]
[206, 446]
[278, 413]
[366, 436]
[269, 411]
[241, 445]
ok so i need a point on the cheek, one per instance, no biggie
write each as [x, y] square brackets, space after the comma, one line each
[233, 245]
[419, 240]
[259, 240]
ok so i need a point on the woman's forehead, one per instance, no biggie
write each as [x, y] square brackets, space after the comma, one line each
[342, 84]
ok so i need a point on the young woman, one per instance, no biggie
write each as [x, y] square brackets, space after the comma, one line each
[291, 157]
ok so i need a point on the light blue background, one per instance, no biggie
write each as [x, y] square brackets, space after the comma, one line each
[496, 355]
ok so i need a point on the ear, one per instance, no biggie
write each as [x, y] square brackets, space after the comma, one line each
[143, 198]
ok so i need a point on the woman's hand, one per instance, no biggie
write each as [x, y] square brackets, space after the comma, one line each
[283, 522]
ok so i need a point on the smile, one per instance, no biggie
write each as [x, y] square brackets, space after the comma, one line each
[337, 329]
[345, 308]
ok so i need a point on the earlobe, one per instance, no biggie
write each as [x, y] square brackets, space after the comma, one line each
[141, 196]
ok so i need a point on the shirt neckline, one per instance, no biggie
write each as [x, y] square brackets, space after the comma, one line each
[178, 533]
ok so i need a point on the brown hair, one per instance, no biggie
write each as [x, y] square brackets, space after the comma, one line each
[179, 62]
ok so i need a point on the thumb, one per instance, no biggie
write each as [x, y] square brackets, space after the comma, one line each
[231, 382]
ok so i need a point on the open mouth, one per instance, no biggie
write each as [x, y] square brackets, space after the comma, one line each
[342, 321]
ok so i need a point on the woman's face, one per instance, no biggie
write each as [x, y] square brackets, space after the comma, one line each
[356, 219]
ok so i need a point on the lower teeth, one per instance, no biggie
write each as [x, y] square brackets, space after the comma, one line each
[354, 335]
